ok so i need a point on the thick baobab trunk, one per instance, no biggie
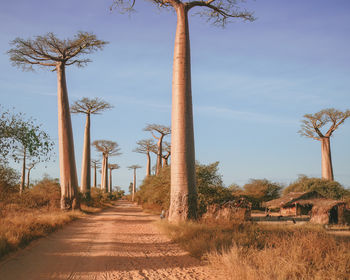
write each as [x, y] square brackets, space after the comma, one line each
[23, 177]
[159, 154]
[148, 169]
[183, 199]
[327, 169]
[68, 172]
[110, 181]
[86, 165]
[134, 186]
[95, 176]
[104, 175]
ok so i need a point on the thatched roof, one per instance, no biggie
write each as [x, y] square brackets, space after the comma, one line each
[290, 198]
[324, 204]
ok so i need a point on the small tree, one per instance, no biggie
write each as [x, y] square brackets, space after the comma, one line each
[145, 147]
[108, 149]
[111, 168]
[311, 127]
[49, 51]
[167, 149]
[29, 168]
[32, 142]
[162, 131]
[88, 107]
[134, 167]
[183, 204]
[96, 163]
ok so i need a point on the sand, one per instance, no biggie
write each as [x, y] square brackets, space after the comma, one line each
[121, 242]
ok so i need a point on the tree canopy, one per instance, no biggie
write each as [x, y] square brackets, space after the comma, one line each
[107, 147]
[90, 106]
[328, 120]
[48, 50]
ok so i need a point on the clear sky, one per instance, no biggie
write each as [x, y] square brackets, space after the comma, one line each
[251, 82]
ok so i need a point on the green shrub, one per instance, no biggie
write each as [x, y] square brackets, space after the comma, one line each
[329, 189]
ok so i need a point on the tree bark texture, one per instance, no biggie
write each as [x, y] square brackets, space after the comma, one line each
[86, 161]
[68, 172]
[183, 199]
[159, 154]
[95, 176]
[104, 175]
[23, 176]
[148, 169]
[327, 168]
[110, 181]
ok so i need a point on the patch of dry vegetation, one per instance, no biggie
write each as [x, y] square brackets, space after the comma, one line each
[249, 251]
[36, 213]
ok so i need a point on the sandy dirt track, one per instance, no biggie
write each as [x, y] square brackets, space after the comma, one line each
[119, 243]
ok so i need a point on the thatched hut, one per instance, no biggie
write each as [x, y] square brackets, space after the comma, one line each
[289, 204]
[327, 211]
[238, 210]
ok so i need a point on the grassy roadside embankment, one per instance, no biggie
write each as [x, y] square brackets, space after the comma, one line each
[249, 251]
[36, 213]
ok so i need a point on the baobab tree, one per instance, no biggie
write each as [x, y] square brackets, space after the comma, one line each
[111, 168]
[56, 54]
[183, 199]
[167, 149]
[95, 163]
[108, 149]
[145, 147]
[330, 120]
[134, 167]
[161, 132]
[88, 107]
[29, 168]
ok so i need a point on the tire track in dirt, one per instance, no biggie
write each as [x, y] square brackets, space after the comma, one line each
[119, 243]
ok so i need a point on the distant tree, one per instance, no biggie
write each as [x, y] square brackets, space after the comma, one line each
[260, 190]
[145, 147]
[111, 168]
[162, 131]
[32, 142]
[167, 149]
[330, 119]
[183, 188]
[56, 54]
[134, 167]
[131, 188]
[108, 149]
[96, 163]
[327, 188]
[88, 107]
[30, 166]
[8, 180]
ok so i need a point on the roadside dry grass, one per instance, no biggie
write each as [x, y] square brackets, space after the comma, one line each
[36, 213]
[257, 252]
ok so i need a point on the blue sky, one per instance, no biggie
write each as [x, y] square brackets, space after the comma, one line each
[251, 82]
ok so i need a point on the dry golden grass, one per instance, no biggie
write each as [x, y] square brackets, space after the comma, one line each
[255, 252]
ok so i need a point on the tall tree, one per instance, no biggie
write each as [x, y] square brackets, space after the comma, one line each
[162, 131]
[111, 168]
[88, 107]
[329, 120]
[134, 167]
[145, 147]
[108, 149]
[183, 203]
[56, 54]
[96, 163]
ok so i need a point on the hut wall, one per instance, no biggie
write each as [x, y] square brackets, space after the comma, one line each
[320, 218]
[288, 211]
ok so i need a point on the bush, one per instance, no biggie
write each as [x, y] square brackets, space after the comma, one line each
[8, 180]
[329, 189]
[154, 192]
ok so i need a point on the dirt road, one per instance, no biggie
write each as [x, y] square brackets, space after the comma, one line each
[119, 243]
